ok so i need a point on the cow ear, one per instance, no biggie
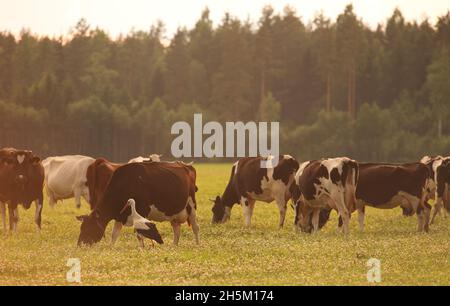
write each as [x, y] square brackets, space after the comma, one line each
[35, 159]
[81, 218]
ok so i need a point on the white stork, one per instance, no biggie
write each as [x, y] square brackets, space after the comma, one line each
[143, 227]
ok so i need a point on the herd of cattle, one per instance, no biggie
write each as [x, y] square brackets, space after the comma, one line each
[166, 191]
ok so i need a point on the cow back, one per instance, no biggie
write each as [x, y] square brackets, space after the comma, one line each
[378, 183]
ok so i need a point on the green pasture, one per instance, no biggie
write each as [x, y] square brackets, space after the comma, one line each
[229, 254]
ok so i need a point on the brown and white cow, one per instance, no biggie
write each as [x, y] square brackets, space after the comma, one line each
[162, 191]
[439, 182]
[249, 182]
[322, 185]
[386, 186]
[21, 182]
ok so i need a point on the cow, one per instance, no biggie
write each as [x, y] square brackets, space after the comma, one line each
[162, 191]
[249, 182]
[322, 185]
[386, 186]
[439, 182]
[65, 177]
[98, 175]
[21, 182]
[151, 158]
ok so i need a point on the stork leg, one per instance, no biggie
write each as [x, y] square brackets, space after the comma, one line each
[140, 240]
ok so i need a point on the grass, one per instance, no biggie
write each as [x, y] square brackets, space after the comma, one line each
[229, 254]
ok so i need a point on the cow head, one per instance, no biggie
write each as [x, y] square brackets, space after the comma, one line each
[303, 216]
[218, 210]
[19, 165]
[155, 157]
[92, 230]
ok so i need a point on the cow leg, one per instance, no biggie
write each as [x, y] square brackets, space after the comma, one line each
[3, 212]
[13, 217]
[176, 227]
[51, 197]
[77, 194]
[315, 220]
[193, 221]
[427, 212]
[116, 231]
[282, 204]
[361, 217]
[344, 213]
[247, 206]
[38, 214]
[420, 219]
[437, 209]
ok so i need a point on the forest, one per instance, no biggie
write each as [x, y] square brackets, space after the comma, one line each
[337, 87]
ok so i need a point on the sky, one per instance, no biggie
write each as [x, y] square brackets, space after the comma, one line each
[57, 17]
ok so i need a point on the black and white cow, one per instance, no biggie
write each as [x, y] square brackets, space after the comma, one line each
[439, 182]
[249, 182]
[322, 185]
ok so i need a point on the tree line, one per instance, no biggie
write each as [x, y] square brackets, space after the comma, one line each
[337, 87]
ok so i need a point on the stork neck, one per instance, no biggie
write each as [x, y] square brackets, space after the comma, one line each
[133, 210]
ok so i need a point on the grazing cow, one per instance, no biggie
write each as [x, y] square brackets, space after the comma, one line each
[324, 185]
[65, 177]
[21, 182]
[249, 183]
[98, 175]
[162, 192]
[140, 159]
[439, 181]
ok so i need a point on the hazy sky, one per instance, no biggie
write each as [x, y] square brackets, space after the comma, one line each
[55, 17]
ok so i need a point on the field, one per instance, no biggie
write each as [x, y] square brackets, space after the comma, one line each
[229, 254]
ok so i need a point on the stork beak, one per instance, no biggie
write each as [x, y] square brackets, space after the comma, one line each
[125, 207]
